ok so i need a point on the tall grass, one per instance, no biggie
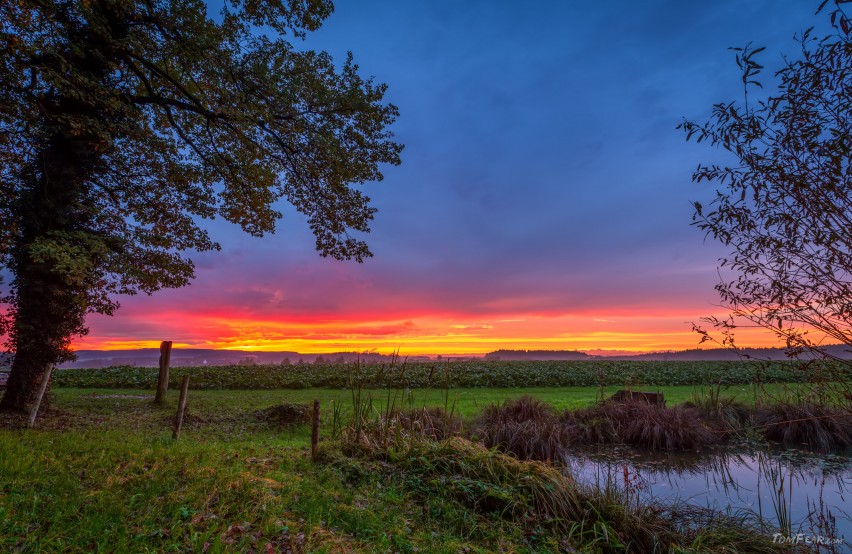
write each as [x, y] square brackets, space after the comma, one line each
[822, 522]
[771, 474]
[532, 430]
[396, 422]
[730, 413]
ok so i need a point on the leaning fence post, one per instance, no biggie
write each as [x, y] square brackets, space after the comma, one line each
[315, 420]
[163, 376]
[45, 379]
[184, 392]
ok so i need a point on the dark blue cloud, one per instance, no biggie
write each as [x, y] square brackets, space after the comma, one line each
[546, 131]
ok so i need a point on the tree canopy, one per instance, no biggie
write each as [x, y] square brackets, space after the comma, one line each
[124, 124]
[784, 207]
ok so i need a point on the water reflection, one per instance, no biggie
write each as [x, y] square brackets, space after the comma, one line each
[791, 491]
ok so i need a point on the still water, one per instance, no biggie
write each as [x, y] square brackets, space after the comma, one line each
[791, 491]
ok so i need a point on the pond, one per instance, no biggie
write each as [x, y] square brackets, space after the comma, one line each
[795, 493]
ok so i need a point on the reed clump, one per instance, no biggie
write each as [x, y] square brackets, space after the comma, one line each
[816, 426]
[434, 423]
[525, 427]
[643, 425]
[402, 428]
[530, 429]
[726, 412]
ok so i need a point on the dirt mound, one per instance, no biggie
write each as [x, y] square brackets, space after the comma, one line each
[285, 414]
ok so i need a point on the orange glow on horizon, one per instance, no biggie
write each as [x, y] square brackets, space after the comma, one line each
[417, 335]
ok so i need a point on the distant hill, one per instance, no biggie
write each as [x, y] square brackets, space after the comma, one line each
[149, 357]
[509, 355]
[712, 354]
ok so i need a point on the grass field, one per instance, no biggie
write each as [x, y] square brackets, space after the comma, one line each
[467, 400]
[102, 474]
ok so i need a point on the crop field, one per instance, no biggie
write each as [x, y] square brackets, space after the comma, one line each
[465, 374]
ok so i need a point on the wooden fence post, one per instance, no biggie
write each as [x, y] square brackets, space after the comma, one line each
[315, 421]
[163, 377]
[184, 392]
[45, 379]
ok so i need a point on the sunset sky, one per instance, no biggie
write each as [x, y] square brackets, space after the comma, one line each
[543, 200]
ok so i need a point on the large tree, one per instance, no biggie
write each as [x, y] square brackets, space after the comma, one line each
[784, 204]
[124, 124]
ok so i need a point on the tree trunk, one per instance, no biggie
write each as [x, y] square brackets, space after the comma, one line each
[41, 341]
[54, 264]
[21, 388]
[48, 308]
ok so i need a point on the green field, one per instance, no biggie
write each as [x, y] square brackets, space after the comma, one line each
[467, 401]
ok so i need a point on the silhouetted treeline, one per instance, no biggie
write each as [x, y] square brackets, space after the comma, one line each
[537, 355]
[725, 354]
[693, 355]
